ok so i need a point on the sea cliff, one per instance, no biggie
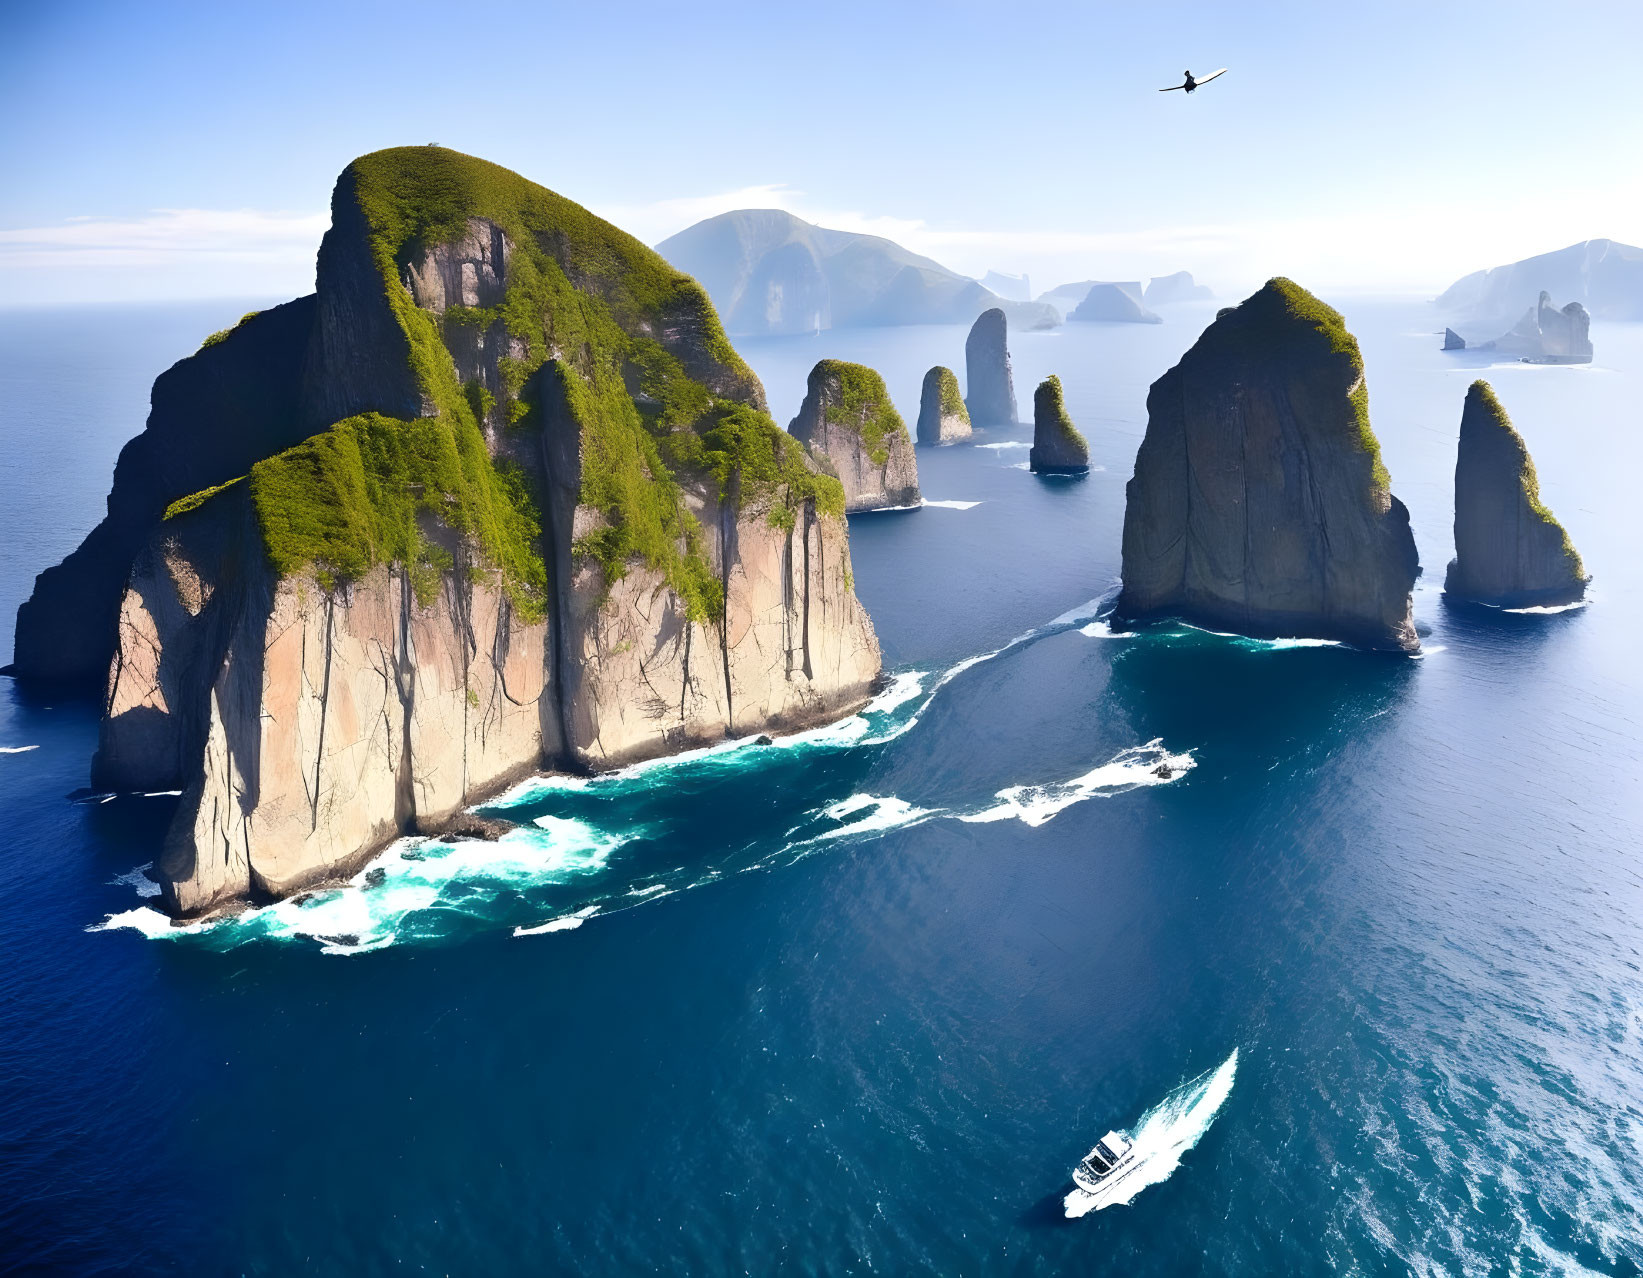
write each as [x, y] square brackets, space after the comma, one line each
[1259, 502]
[507, 498]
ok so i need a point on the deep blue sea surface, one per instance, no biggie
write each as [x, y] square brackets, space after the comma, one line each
[1361, 975]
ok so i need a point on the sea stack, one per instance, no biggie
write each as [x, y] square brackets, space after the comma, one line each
[498, 496]
[991, 400]
[942, 417]
[1109, 304]
[1453, 341]
[1509, 549]
[848, 419]
[1058, 448]
[1259, 502]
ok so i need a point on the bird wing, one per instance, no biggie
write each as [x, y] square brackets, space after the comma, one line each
[1174, 87]
[1205, 79]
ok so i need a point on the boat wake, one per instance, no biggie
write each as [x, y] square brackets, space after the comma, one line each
[585, 847]
[1165, 1133]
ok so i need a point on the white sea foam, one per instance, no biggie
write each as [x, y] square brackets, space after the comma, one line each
[564, 923]
[151, 923]
[1266, 645]
[138, 881]
[1008, 443]
[874, 815]
[1102, 629]
[886, 510]
[951, 505]
[1138, 766]
[17, 749]
[1021, 465]
[161, 794]
[1547, 610]
[1164, 1134]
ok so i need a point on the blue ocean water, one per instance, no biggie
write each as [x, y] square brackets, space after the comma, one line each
[1360, 973]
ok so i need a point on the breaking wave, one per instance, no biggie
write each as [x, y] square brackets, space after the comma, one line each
[587, 847]
[1165, 1133]
[17, 749]
[952, 505]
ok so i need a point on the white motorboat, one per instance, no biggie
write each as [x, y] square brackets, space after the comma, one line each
[1102, 1171]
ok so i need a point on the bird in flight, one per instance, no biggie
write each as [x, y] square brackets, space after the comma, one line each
[1193, 82]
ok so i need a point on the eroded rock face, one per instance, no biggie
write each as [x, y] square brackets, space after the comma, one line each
[310, 719]
[1453, 341]
[942, 417]
[1058, 448]
[1547, 335]
[987, 373]
[847, 417]
[1259, 503]
[1109, 304]
[1509, 549]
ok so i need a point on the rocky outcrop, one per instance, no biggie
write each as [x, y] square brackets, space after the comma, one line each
[991, 400]
[848, 419]
[1509, 549]
[1543, 335]
[1109, 304]
[1058, 448]
[1166, 290]
[1453, 341]
[769, 272]
[942, 417]
[1259, 502]
[592, 547]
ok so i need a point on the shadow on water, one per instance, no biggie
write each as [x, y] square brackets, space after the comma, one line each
[1049, 1212]
[1243, 700]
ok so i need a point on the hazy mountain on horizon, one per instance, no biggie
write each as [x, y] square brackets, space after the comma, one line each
[770, 273]
[1604, 276]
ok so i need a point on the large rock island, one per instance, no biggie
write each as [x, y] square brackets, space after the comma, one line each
[499, 496]
[987, 372]
[1259, 502]
[1510, 551]
[1109, 304]
[942, 417]
[1058, 448]
[847, 419]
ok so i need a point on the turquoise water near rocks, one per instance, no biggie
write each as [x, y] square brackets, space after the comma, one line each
[857, 1001]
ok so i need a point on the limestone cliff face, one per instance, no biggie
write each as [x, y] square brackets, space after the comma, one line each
[1259, 503]
[1058, 448]
[1509, 549]
[556, 528]
[991, 398]
[942, 417]
[847, 417]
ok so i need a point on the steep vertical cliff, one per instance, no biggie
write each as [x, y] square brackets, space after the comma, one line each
[942, 417]
[1259, 502]
[991, 385]
[1058, 448]
[847, 417]
[543, 519]
[1510, 550]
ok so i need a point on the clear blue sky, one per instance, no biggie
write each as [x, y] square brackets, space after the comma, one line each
[1368, 145]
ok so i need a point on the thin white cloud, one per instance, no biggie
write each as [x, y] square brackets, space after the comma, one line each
[167, 236]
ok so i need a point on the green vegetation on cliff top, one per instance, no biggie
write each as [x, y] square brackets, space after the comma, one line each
[598, 303]
[1048, 406]
[952, 403]
[1265, 326]
[862, 405]
[1482, 395]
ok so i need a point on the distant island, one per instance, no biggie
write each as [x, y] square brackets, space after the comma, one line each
[1545, 334]
[770, 273]
[498, 496]
[1161, 290]
[1604, 276]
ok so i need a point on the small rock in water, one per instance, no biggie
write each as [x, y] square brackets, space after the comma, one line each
[764, 740]
[470, 825]
[376, 877]
[1163, 770]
